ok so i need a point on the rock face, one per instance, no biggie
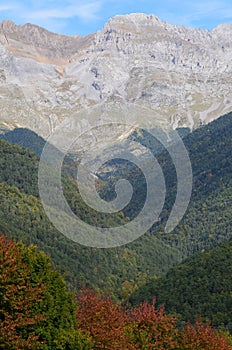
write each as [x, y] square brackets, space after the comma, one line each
[183, 75]
[31, 41]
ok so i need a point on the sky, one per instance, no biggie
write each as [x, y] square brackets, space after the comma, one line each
[81, 17]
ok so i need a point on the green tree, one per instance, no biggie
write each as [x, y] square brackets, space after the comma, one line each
[36, 309]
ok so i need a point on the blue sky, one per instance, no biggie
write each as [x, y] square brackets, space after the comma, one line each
[73, 17]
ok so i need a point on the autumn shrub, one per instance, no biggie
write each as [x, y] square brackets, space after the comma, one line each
[145, 327]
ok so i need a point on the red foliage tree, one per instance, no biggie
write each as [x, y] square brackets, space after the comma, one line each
[103, 320]
[202, 337]
[17, 300]
[144, 327]
[151, 328]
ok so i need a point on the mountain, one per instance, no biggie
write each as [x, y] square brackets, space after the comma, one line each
[31, 41]
[201, 285]
[122, 270]
[25, 138]
[22, 217]
[38, 312]
[207, 220]
[182, 75]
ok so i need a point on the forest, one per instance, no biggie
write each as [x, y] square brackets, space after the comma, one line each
[162, 289]
[38, 312]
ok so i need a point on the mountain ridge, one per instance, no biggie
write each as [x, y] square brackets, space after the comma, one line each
[182, 75]
[32, 41]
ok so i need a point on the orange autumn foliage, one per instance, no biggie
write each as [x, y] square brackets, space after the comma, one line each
[106, 324]
[144, 327]
[103, 320]
[203, 337]
[151, 328]
[17, 300]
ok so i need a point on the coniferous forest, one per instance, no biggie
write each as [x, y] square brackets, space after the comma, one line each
[162, 291]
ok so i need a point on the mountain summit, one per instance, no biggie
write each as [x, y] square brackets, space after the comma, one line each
[31, 41]
[183, 75]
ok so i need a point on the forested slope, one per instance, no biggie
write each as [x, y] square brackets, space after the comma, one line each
[201, 285]
[207, 221]
[122, 270]
[119, 270]
[38, 312]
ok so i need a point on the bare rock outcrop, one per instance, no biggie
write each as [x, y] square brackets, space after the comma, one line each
[183, 75]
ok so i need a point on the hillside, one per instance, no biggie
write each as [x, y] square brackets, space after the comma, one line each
[201, 285]
[25, 138]
[208, 218]
[118, 103]
[22, 216]
[122, 270]
[38, 312]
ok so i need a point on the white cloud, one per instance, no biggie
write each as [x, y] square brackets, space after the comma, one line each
[192, 12]
[7, 7]
[89, 11]
[74, 15]
[208, 8]
[85, 12]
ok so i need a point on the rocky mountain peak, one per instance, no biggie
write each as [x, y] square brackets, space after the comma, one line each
[8, 25]
[34, 42]
[134, 21]
[182, 74]
[223, 32]
[223, 28]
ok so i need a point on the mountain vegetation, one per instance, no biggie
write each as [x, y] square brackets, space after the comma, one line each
[150, 266]
[119, 270]
[201, 285]
[37, 312]
[207, 221]
[164, 290]
[25, 138]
